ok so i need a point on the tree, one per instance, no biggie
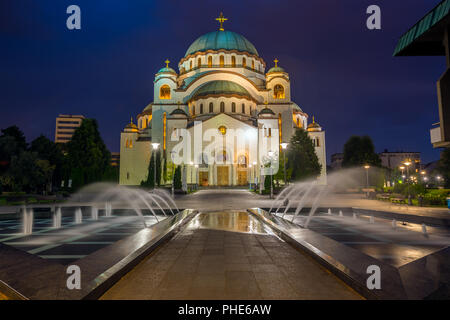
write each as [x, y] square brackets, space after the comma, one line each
[28, 173]
[88, 157]
[177, 184]
[18, 136]
[359, 151]
[302, 158]
[150, 182]
[158, 167]
[50, 151]
[12, 143]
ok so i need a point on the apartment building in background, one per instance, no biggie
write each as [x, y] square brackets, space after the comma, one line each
[65, 127]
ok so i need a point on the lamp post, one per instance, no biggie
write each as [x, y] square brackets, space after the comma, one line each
[155, 146]
[250, 180]
[192, 169]
[173, 173]
[271, 153]
[407, 163]
[367, 167]
[255, 178]
[284, 146]
[196, 176]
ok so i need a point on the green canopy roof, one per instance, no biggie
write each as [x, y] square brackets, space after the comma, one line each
[425, 37]
[220, 87]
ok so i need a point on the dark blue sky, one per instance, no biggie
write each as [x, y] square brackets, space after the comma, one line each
[341, 72]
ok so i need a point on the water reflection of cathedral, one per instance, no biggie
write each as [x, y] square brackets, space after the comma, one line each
[223, 84]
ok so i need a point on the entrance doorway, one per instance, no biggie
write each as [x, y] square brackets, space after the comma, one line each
[222, 176]
[203, 178]
[242, 178]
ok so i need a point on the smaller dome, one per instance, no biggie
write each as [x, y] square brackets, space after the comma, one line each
[276, 69]
[266, 111]
[178, 112]
[167, 70]
[220, 87]
[314, 126]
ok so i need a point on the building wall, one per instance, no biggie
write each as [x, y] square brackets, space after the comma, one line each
[318, 138]
[66, 126]
[134, 160]
[394, 160]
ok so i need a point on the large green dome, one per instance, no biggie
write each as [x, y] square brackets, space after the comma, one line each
[216, 40]
[220, 87]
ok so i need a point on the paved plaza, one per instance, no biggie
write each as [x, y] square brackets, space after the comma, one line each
[229, 255]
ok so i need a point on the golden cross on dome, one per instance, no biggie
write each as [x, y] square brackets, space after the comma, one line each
[276, 62]
[221, 20]
[167, 63]
[131, 121]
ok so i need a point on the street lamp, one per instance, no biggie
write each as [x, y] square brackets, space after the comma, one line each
[284, 146]
[196, 176]
[271, 153]
[367, 167]
[407, 163]
[191, 164]
[254, 174]
[250, 180]
[155, 147]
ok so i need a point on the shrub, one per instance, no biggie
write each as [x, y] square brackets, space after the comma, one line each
[436, 197]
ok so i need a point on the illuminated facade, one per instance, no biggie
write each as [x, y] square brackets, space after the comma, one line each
[222, 84]
[66, 125]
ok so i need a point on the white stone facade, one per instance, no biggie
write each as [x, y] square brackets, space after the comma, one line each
[219, 87]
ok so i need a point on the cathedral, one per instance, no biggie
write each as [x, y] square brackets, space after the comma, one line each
[221, 91]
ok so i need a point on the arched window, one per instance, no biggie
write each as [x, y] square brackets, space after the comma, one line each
[211, 107]
[210, 61]
[201, 108]
[298, 122]
[203, 160]
[278, 92]
[242, 161]
[316, 142]
[193, 110]
[243, 108]
[253, 64]
[190, 65]
[233, 107]
[233, 61]
[199, 62]
[222, 61]
[244, 62]
[164, 92]
[222, 106]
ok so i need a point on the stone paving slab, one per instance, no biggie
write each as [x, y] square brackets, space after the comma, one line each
[228, 255]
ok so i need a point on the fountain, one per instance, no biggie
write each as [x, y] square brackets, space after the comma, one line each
[27, 220]
[78, 216]
[311, 193]
[94, 213]
[108, 209]
[56, 217]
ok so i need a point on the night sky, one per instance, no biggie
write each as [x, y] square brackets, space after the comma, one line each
[341, 72]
